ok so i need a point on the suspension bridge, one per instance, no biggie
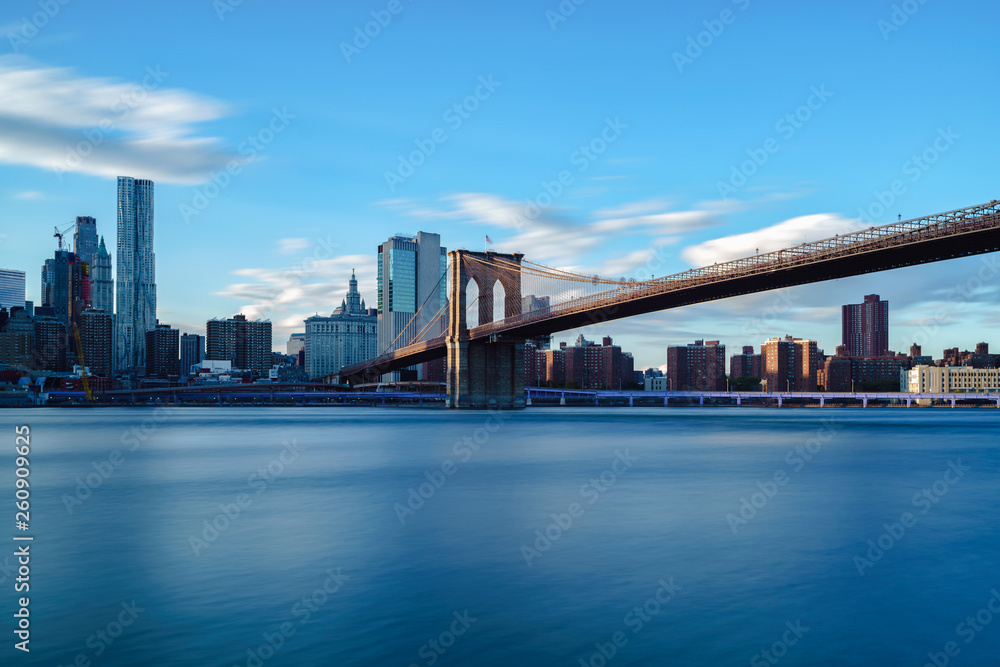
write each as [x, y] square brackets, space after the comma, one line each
[485, 349]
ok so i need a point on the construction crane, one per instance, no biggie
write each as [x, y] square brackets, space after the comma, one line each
[60, 234]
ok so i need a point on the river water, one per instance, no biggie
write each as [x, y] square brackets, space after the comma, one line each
[593, 536]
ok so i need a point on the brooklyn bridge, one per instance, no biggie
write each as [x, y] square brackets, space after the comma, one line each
[485, 357]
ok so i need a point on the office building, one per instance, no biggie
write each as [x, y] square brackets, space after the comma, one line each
[85, 239]
[135, 273]
[11, 288]
[791, 364]
[97, 342]
[65, 295]
[699, 366]
[865, 327]
[296, 342]
[102, 286]
[245, 343]
[953, 379]
[411, 277]
[66, 286]
[346, 337]
[192, 351]
[162, 359]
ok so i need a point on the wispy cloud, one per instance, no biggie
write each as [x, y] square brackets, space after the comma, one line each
[288, 295]
[28, 195]
[292, 245]
[56, 119]
[782, 235]
[555, 237]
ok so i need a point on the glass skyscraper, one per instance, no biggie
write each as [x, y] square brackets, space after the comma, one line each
[410, 278]
[11, 288]
[85, 239]
[135, 277]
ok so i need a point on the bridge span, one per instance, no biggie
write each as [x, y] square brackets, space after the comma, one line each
[485, 360]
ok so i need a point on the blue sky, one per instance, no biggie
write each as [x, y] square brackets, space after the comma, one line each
[311, 128]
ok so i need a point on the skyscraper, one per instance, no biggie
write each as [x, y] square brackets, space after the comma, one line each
[85, 239]
[11, 288]
[102, 287]
[865, 327]
[411, 277]
[66, 289]
[135, 277]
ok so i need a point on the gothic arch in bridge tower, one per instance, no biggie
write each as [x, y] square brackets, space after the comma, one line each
[472, 298]
[488, 270]
[487, 372]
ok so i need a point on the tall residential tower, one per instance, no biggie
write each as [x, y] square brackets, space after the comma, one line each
[865, 327]
[135, 278]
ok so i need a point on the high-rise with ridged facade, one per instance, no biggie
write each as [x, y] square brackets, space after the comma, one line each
[135, 277]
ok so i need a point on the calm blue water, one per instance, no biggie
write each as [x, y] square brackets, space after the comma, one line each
[319, 561]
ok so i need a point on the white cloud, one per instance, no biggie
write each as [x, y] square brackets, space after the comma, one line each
[634, 208]
[28, 194]
[55, 119]
[676, 222]
[782, 235]
[549, 236]
[288, 295]
[544, 237]
[292, 245]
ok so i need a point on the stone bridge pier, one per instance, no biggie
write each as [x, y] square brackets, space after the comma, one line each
[486, 372]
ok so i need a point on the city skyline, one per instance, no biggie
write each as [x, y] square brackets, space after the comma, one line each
[664, 170]
[873, 311]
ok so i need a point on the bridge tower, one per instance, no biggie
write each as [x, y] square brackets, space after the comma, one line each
[486, 372]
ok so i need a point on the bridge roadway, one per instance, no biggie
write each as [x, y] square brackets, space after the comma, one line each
[959, 233]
